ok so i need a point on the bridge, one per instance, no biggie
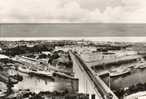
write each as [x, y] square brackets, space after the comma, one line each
[89, 82]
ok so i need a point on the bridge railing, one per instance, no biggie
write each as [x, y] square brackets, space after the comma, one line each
[103, 89]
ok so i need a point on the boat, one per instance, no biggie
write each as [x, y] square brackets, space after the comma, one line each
[119, 72]
[138, 95]
[23, 69]
[142, 66]
[131, 66]
[103, 74]
[42, 73]
[63, 75]
[35, 72]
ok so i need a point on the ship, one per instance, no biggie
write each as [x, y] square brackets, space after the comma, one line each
[35, 72]
[42, 73]
[140, 65]
[119, 72]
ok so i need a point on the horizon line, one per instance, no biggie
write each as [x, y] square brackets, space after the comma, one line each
[106, 39]
[72, 23]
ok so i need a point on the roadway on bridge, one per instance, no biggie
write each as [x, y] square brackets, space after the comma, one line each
[99, 85]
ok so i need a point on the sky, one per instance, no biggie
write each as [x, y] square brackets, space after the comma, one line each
[112, 39]
[73, 11]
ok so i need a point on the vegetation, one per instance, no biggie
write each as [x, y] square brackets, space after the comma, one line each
[24, 50]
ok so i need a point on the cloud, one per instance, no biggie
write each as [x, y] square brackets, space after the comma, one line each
[132, 11]
[101, 4]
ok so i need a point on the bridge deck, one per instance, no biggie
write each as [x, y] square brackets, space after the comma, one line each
[99, 85]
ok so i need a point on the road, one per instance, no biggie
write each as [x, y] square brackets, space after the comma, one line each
[99, 85]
